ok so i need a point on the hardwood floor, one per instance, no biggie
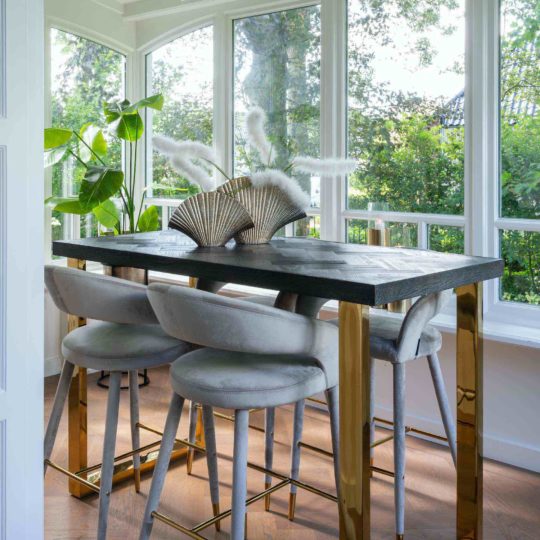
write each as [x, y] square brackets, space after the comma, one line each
[512, 496]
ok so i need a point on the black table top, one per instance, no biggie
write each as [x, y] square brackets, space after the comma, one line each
[356, 273]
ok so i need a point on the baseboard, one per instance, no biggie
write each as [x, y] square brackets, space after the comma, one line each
[503, 450]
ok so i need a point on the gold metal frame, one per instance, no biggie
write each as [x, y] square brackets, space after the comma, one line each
[78, 427]
[469, 351]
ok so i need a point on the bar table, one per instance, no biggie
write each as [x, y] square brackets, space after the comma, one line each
[359, 276]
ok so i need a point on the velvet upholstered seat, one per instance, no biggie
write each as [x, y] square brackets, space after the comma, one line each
[120, 347]
[233, 380]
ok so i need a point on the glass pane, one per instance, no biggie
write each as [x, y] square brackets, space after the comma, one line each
[277, 67]
[446, 239]
[84, 75]
[403, 234]
[521, 253]
[405, 105]
[357, 231]
[183, 71]
[520, 101]
[309, 226]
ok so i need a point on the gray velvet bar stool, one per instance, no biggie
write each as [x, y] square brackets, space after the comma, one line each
[254, 357]
[398, 340]
[125, 337]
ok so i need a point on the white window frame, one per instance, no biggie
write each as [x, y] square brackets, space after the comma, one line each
[130, 77]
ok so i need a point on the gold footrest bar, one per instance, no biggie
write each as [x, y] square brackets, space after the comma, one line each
[283, 482]
[121, 457]
[379, 470]
[183, 442]
[316, 449]
[319, 401]
[410, 429]
[73, 476]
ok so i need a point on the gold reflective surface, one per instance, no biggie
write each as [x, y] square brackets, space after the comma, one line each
[354, 422]
[469, 411]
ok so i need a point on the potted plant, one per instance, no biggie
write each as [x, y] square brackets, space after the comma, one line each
[103, 184]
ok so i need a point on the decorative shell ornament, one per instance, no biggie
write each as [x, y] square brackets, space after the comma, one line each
[269, 206]
[211, 219]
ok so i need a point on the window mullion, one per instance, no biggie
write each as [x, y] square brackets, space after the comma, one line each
[333, 112]
[223, 97]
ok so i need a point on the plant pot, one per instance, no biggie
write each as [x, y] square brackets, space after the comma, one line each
[210, 219]
[269, 206]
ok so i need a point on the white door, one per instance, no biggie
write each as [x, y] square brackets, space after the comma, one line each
[21, 269]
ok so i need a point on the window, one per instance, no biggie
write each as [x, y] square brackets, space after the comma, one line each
[520, 151]
[182, 71]
[406, 112]
[277, 64]
[402, 74]
[84, 75]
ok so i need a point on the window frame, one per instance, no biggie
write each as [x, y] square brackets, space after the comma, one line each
[63, 25]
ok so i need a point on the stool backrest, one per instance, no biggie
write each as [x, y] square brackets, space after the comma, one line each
[220, 322]
[422, 311]
[95, 296]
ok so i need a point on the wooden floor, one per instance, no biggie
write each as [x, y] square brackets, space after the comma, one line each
[512, 496]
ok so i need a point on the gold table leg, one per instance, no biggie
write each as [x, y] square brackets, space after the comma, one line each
[469, 411]
[77, 411]
[354, 422]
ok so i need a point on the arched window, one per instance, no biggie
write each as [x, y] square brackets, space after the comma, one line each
[182, 71]
[84, 75]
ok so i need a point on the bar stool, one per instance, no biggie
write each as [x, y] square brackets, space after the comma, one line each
[255, 357]
[398, 340]
[126, 337]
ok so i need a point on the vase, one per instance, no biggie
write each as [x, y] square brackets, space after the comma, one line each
[210, 219]
[269, 206]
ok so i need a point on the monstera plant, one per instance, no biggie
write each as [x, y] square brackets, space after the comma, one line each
[102, 183]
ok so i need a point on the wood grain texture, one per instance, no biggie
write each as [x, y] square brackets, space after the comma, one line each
[369, 275]
[511, 495]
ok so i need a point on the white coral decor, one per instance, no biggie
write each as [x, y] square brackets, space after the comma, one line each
[183, 156]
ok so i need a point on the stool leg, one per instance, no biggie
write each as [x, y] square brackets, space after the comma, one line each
[399, 447]
[295, 453]
[332, 398]
[164, 458]
[444, 406]
[135, 432]
[191, 435]
[241, 427]
[58, 406]
[109, 444]
[269, 421]
[211, 459]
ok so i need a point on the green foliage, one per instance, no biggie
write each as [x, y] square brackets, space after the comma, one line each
[101, 182]
[149, 220]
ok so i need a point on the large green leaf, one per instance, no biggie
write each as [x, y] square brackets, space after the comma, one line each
[67, 205]
[55, 137]
[93, 137]
[154, 102]
[54, 155]
[149, 220]
[128, 127]
[107, 214]
[114, 109]
[99, 184]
